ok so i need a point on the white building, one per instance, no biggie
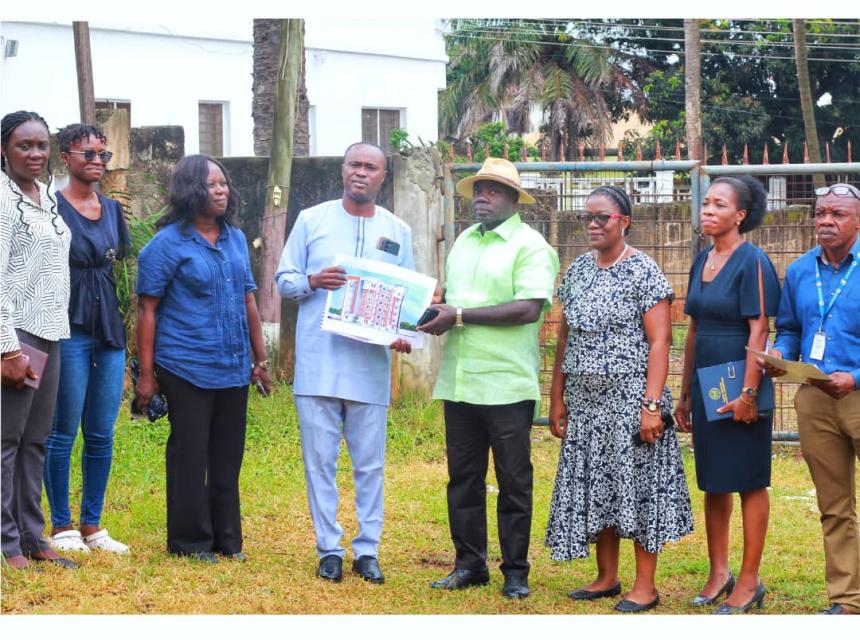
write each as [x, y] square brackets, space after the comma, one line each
[364, 77]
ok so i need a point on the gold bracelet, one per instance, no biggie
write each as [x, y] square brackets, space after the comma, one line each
[12, 357]
[749, 404]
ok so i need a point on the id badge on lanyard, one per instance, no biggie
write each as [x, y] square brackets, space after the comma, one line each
[820, 339]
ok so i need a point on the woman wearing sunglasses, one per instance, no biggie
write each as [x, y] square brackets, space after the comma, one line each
[620, 473]
[732, 291]
[92, 359]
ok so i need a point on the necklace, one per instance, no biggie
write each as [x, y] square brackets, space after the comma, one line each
[618, 259]
[713, 255]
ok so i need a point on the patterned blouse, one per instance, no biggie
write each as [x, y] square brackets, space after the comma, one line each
[604, 309]
[34, 267]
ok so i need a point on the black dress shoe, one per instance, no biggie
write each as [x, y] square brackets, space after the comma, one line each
[368, 568]
[238, 556]
[757, 600]
[516, 587]
[628, 606]
[65, 563]
[728, 587]
[582, 594]
[837, 610]
[331, 568]
[462, 578]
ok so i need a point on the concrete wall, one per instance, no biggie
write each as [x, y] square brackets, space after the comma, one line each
[418, 201]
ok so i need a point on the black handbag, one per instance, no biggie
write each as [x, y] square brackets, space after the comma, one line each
[157, 407]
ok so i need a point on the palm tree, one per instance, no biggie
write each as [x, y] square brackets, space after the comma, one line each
[693, 88]
[805, 91]
[503, 68]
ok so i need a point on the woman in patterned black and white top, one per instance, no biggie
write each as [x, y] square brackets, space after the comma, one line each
[620, 474]
[34, 300]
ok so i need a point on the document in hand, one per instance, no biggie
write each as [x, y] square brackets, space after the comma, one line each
[379, 303]
[798, 372]
[722, 383]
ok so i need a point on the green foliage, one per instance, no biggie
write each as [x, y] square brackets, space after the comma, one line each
[726, 117]
[400, 140]
[141, 229]
[493, 136]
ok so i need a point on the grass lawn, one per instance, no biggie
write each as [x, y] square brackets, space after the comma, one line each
[278, 577]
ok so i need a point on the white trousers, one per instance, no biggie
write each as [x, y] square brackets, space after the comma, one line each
[363, 425]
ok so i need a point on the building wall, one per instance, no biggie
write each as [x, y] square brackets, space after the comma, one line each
[164, 77]
[165, 71]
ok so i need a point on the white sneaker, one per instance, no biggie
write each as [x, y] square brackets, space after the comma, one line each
[102, 541]
[69, 541]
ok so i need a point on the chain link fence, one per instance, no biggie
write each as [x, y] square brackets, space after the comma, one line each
[666, 198]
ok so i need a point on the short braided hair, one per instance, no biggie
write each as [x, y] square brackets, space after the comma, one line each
[74, 133]
[10, 122]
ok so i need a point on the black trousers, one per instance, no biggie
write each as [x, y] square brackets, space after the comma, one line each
[204, 457]
[470, 431]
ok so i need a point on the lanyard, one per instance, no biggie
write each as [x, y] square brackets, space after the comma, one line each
[819, 286]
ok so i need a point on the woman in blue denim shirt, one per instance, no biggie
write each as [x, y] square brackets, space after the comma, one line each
[197, 325]
[92, 359]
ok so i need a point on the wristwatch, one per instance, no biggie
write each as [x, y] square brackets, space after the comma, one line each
[749, 392]
[263, 364]
[651, 405]
[459, 322]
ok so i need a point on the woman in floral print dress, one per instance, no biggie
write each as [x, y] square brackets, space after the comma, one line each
[620, 473]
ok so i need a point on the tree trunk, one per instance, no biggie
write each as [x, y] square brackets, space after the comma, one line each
[806, 105]
[267, 46]
[84, 64]
[693, 88]
[280, 167]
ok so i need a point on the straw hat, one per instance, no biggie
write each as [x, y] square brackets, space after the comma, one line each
[496, 170]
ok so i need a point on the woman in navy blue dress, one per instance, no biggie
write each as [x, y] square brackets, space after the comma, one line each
[732, 291]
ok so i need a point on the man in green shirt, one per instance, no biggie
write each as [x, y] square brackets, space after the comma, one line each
[500, 278]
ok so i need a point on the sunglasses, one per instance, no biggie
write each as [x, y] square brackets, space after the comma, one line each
[90, 155]
[839, 190]
[600, 218]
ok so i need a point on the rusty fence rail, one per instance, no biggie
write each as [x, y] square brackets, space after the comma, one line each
[667, 196]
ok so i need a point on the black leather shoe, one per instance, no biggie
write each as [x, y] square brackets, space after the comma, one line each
[238, 556]
[368, 568]
[582, 594]
[331, 568]
[837, 610]
[628, 606]
[757, 600]
[516, 587]
[701, 601]
[462, 578]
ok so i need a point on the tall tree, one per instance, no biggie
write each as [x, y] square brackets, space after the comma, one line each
[267, 46]
[504, 68]
[800, 59]
[693, 88]
[280, 168]
[84, 64]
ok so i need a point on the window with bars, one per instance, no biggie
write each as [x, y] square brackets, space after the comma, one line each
[211, 128]
[377, 125]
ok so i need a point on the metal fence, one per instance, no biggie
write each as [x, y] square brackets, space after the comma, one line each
[666, 197]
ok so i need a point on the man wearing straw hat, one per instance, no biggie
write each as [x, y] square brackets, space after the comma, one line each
[500, 277]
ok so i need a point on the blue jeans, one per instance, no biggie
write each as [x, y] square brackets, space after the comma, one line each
[90, 392]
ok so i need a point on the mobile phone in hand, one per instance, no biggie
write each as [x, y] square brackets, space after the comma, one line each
[427, 316]
[261, 389]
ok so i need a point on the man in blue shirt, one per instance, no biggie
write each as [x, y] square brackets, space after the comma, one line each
[819, 322]
[341, 383]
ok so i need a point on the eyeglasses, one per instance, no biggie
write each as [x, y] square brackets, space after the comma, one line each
[600, 218]
[90, 155]
[839, 190]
